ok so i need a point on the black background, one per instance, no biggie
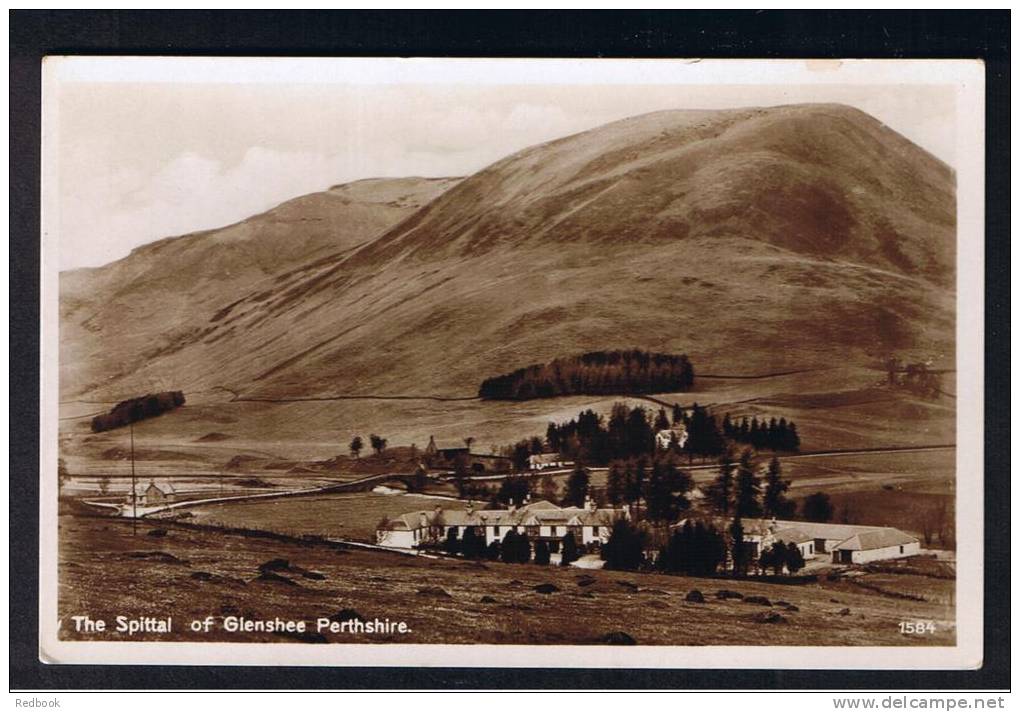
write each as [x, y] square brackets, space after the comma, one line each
[763, 34]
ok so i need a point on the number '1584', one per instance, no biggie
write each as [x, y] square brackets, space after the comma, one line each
[917, 627]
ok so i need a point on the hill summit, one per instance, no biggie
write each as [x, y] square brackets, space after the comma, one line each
[752, 240]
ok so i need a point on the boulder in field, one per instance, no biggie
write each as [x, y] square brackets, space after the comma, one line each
[845, 612]
[158, 533]
[434, 591]
[487, 599]
[346, 614]
[694, 596]
[768, 617]
[271, 577]
[617, 637]
[758, 600]
[546, 588]
[275, 565]
[307, 636]
[726, 594]
[162, 557]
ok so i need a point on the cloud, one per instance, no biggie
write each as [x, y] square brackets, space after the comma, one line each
[102, 220]
[139, 163]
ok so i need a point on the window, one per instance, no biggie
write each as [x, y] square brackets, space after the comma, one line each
[901, 549]
[497, 531]
[595, 531]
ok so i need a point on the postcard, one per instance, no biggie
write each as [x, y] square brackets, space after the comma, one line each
[512, 363]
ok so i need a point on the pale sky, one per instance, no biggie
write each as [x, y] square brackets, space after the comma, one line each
[138, 162]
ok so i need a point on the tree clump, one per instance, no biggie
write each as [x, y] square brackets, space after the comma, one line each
[594, 373]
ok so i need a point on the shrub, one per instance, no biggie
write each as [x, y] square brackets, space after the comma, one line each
[569, 553]
[541, 553]
[625, 549]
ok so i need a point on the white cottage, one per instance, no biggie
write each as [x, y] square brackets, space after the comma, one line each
[677, 435]
[154, 493]
[547, 460]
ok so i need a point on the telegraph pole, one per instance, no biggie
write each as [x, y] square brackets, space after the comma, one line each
[134, 489]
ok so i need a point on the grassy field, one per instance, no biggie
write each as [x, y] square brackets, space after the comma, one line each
[338, 516]
[189, 574]
[834, 409]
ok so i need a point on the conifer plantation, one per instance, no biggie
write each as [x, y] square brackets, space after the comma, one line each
[594, 373]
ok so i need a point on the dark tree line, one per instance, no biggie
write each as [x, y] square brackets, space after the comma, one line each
[914, 377]
[630, 432]
[135, 409]
[738, 490]
[594, 373]
[703, 436]
[772, 434]
[590, 438]
[655, 486]
[693, 549]
[625, 548]
[780, 556]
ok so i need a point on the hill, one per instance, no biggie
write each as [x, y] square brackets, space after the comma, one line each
[116, 316]
[753, 240]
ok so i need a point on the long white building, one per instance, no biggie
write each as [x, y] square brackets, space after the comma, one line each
[844, 543]
[539, 520]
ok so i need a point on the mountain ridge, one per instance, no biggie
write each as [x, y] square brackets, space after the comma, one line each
[808, 233]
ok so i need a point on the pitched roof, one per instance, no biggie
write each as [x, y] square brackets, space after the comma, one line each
[535, 513]
[539, 504]
[165, 486]
[547, 457]
[598, 517]
[876, 539]
[815, 530]
[792, 535]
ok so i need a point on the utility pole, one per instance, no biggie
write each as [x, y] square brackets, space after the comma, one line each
[134, 489]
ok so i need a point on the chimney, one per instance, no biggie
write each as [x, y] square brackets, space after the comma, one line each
[772, 525]
[592, 504]
[470, 507]
[513, 507]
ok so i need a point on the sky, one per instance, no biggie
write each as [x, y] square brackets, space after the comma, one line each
[137, 161]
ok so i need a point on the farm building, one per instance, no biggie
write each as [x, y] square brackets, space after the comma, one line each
[446, 455]
[539, 520]
[547, 460]
[445, 451]
[845, 543]
[153, 493]
[839, 543]
[875, 545]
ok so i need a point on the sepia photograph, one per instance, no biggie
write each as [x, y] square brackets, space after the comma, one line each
[558, 362]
